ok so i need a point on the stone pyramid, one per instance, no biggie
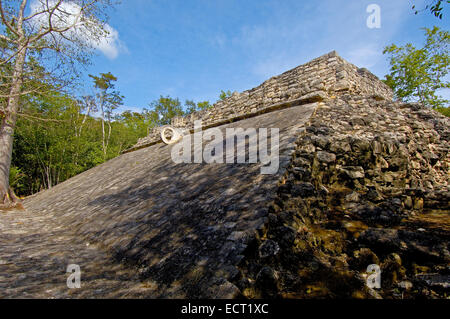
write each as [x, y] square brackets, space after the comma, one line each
[362, 179]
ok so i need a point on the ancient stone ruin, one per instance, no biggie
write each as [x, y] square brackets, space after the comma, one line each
[363, 180]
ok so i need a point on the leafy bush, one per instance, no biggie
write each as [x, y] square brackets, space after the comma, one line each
[444, 110]
[16, 177]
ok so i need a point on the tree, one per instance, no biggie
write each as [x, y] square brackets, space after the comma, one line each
[44, 140]
[166, 108]
[57, 34]
[435, 8]
[108, 99]
[138, 123]
[417, 74]
[49, 146]
[87, 105]
[16, 177]
[203, 105]
[192, 107]
[224, 95]
[46, 146]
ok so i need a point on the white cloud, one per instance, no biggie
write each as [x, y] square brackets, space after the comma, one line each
[110, 45]
[68, 14]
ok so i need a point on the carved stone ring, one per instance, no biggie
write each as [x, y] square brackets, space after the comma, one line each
[176, 135]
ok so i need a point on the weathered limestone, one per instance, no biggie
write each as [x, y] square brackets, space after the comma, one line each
[367, 184]
[142, 226]
[362, 180]
[176, 135]
[315, 81]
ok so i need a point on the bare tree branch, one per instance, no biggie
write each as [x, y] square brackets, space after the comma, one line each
[40, 118]
[4, 19]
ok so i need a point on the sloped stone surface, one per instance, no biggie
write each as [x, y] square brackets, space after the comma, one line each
[362, 179]
[141, 225]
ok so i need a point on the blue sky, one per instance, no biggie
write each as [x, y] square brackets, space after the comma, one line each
[193, 49]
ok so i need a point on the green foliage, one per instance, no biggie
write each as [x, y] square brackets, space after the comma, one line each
[104, 81]
[417, 74]
[192, 107]
[444, 110]
[166, 108]
[16, 177]
[435, 7]
[58, 136]
[224, 95]
[130, 126]
[108, 99]
[203, 105]
[49, 146]
[38, 58]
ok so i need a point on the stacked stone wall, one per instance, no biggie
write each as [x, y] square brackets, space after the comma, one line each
[320, 79]
[367, 184]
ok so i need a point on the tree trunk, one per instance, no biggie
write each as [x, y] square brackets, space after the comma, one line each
[85, 118]
[8, 123]
[108, 138]
[103, 131]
